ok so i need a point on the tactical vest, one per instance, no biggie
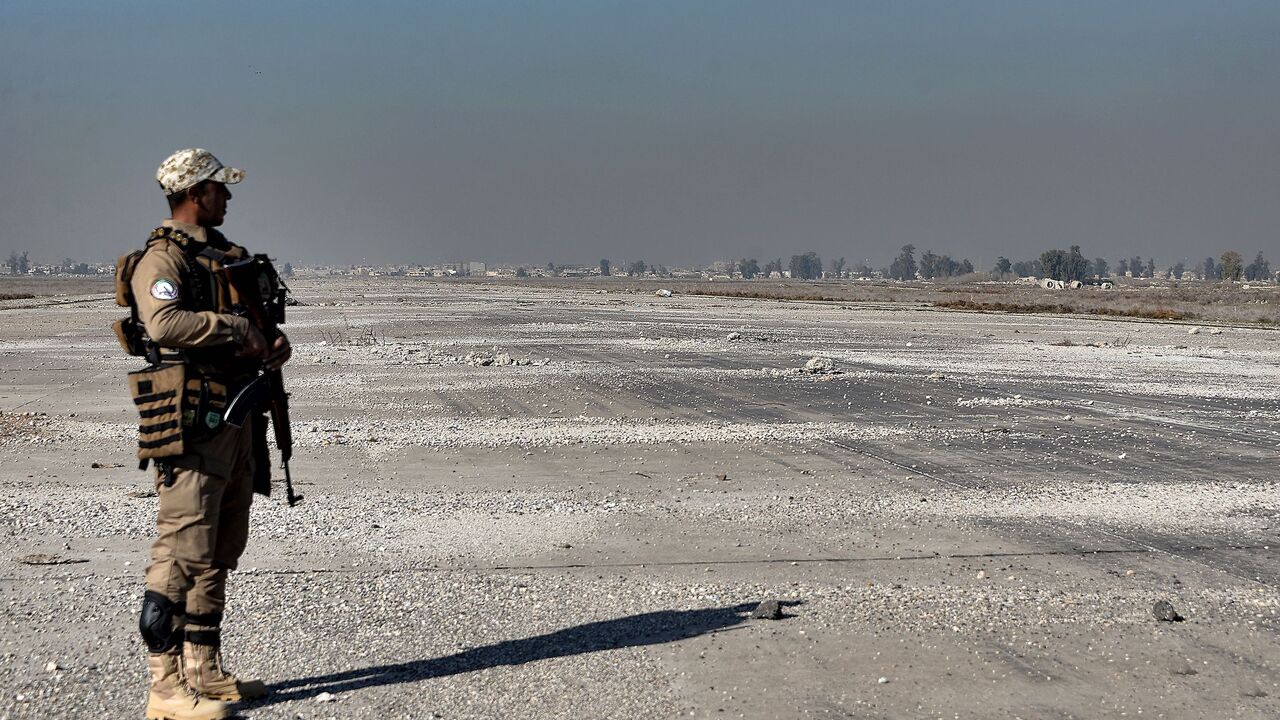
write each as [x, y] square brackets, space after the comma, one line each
[202, 285]
[181, 394]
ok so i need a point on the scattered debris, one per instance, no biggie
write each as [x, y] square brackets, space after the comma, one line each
[1215, 331]
[141, 493]
[1164, 611]
[735, 336]
[325, 697]
[937, 376]
[722, 477]
[1194, 331]
[41, 559]
[97, 465]
[768, 610]
[497, 360]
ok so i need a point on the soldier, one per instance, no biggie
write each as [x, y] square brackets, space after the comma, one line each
[204, 468]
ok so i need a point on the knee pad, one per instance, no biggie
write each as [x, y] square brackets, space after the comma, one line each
[156, 622]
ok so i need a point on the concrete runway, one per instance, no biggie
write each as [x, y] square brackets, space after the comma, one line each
[971, 519]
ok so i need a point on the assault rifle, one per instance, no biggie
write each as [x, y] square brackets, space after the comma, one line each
[260, 296]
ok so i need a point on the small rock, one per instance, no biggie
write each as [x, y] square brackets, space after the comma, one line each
[937, 376]
[1215, 331]
[1182, 668]
[325, 697]
[768, 610]
[819, 365]
[663, 293]
[1194, 331]
[1163, 610]
[51, 667]
[42, 559]
[883, 681]
[1253, 691]
[735, 336]
[1129, 573]
[982, 574]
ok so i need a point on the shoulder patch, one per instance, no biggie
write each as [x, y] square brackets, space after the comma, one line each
[164, 289]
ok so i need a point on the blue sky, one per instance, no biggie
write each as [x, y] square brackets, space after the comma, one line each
[674, 132]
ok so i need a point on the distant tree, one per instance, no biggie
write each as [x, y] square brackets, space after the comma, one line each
[773, 266]
[1151, 268]
[13, 263]
[1210, 269]
[1135, 266]
[837, 266]
[903, 267]
[749, 268]
[1178, 270]
[1122, 267]
[288, 269]
[636, 268]
[1077, 264]
[521, 272]
[1100, 267]
[24, 265]
[1259, 269]
[1065, 266]
[862, 269]
[929, 265]
[966, 267]
[1231, 266]
[604, 267]
[1003, 267]
[1028, 268]
[82, 268]
[807, 266]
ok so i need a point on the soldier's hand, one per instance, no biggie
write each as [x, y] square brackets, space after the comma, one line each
[281, 351]
[254, 344]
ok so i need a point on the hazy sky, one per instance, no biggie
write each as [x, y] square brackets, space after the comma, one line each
[673, 132]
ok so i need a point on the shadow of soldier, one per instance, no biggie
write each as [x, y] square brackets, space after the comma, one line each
[633, 631]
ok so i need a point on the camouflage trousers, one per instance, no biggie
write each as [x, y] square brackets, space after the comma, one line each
[203, 522]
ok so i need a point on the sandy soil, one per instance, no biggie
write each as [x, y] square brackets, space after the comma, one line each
[971, 518]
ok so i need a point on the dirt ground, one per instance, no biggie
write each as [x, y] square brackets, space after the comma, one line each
[546, 502]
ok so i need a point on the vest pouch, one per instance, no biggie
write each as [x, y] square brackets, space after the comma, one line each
[205, 399]
[130, 336]
[158, 394]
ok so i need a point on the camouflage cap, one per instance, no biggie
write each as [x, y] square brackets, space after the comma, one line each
[186, 168]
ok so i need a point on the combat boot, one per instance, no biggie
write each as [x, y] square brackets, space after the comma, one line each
[202, 669]
[172, 698]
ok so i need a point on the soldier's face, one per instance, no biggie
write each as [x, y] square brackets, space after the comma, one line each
[212, 203]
